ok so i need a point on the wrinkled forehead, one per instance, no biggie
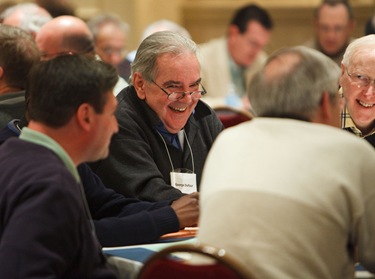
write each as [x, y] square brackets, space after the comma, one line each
[364, 56]
[184, 63]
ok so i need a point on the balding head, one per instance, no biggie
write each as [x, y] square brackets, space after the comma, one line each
[65, 34]
[292, 83]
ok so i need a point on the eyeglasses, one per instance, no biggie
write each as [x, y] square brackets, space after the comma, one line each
[361, 80]
[108, 51]
[175, 96]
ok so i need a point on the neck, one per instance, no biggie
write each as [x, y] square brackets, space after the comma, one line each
[366, 130]
[71, 147]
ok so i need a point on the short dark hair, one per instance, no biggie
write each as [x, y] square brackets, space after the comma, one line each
[251, 12]
[335, 3]
[18, 52]
[57, 87]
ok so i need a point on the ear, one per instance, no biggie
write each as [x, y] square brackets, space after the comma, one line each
[329, 111]
[139, 84]
[84, 116]
[233, 30]
[325, 106]
[1, 72]
[343, 69]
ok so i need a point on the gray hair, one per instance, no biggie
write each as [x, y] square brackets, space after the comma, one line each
[293, 88]
[32, 20]
[357, 46]
[101, 20]
[157, 44]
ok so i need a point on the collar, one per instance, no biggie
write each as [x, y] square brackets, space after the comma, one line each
[348, 124]
[169, 137]
[47, 142]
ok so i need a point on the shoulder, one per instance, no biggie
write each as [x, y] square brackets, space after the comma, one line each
[311, 43]
[214, 45]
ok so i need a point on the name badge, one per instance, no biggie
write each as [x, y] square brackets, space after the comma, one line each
[184, 180]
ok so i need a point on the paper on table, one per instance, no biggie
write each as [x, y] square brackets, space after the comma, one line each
[187, 232]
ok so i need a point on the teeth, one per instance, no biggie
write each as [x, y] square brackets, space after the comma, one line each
[179, 109]
[365, 104]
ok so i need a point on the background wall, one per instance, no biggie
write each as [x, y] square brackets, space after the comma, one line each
[206, 19]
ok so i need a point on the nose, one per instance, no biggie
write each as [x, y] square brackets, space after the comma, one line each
[115, 126]
[187, 97]
[115, 58]
[370, 90]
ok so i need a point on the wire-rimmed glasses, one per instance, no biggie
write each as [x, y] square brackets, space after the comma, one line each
[360, 80]
[175, 96]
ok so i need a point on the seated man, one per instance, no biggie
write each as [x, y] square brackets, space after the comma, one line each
[121, 221]
[298, 191]
[229, 62]
[118, 220]
[166, 131]
[111, 36]
[45, 228]
[358, 88]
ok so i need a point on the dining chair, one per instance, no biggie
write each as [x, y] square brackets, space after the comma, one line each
[192, 261]
[231, 116]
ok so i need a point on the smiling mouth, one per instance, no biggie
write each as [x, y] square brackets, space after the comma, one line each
[178, 109]
[366, 105]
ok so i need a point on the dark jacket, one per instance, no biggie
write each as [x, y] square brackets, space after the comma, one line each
[44, 228]
[138, 164]
[118, 220]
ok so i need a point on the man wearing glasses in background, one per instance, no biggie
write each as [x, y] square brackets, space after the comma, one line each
[358, 88]
[165, 131]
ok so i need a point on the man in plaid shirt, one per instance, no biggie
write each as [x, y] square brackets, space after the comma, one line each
[358, 88]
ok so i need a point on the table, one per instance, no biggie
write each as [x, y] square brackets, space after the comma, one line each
[130, 259]
[134, 256]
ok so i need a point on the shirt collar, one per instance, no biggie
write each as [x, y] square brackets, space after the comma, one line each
[44, 140]
[169, 137]
[348, 123]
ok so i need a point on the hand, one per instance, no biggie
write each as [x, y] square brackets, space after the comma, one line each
[187, 210]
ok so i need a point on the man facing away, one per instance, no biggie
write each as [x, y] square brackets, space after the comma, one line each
[45, 227]
[333, 25]
[228, 63]
[303, 201]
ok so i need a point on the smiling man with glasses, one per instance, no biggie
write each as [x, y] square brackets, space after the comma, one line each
[358, 87]
[166, 131]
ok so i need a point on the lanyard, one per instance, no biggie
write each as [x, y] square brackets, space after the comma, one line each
[169, 156]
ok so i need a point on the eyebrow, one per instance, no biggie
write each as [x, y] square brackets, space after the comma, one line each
[173, 82]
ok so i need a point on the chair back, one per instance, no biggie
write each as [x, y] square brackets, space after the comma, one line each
[230, 116]
[192, 261]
